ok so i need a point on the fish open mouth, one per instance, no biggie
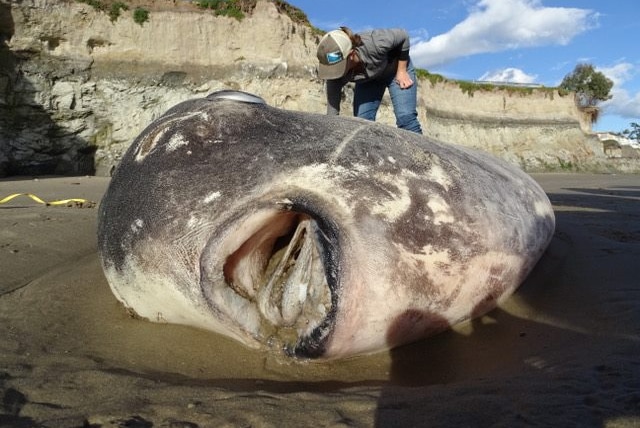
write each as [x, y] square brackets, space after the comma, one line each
[281, 268]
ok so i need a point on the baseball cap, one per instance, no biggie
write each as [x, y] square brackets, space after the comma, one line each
[332, 54]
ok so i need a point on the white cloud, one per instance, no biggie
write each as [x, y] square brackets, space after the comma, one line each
[622, 103]
[511, 75]
[618, 73]
[498, 25]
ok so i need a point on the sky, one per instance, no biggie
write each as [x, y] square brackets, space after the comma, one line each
[521, 41]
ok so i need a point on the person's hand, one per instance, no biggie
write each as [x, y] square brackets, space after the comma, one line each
[404, 80]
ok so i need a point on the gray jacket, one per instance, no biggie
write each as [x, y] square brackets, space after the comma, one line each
[380, 51]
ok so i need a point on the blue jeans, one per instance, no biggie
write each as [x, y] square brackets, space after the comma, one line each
[368, 96]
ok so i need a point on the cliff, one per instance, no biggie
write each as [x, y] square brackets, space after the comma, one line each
[76, 88]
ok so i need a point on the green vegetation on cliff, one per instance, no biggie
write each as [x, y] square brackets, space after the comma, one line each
[296, 15]
[590, 86]
[140, 15]
[114, 9]
[470, 88]
[237, 9]
[231, 8]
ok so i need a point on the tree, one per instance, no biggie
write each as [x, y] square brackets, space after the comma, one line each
[633, 133]
[590, 86]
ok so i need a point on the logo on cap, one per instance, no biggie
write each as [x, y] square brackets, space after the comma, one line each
[334, 57]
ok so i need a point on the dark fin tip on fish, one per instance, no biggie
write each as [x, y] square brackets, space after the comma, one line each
[240, 96]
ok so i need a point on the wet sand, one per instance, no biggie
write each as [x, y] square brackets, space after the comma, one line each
[563, 351]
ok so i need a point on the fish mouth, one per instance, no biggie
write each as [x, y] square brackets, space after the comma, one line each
[281, 270]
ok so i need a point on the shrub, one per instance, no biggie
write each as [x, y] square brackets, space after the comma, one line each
[209, 4]
[140, 15]
[231, 8]
[114, 10]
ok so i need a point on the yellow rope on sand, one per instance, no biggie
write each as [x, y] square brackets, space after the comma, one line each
[74, 202]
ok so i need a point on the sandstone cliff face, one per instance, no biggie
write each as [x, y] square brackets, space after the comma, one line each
[76, 88]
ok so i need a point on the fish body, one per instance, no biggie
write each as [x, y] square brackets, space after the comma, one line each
[318, 236]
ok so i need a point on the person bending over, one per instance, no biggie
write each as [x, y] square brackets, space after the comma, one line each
[375, 60]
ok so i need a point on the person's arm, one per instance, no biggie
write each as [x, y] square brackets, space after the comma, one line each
[394, 40]
[402, 77]
[334, 89]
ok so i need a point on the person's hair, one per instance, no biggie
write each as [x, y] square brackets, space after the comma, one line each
[355, 38]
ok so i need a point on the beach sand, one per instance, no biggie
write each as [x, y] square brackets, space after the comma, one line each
[563, 351]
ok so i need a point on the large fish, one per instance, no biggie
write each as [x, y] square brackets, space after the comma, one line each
[318, 236]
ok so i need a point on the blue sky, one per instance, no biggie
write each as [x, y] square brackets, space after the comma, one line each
[525, 41]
